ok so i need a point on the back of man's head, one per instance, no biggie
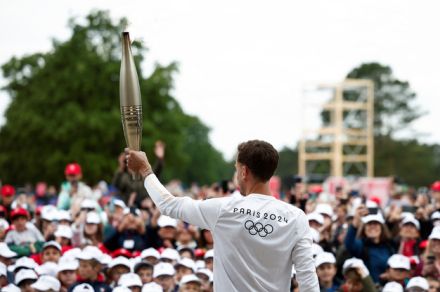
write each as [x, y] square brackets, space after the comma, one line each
[260, 157]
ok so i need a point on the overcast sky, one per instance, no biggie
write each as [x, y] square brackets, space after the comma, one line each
[243, 64]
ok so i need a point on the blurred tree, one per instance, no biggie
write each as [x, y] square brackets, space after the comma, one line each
[197, 147]
[394, 109]
[288, 162]
[287, 167]
[416, 163]
[65, 107]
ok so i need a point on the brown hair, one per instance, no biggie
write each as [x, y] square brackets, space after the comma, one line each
[260, 157]
[385, 234]
[98, 236]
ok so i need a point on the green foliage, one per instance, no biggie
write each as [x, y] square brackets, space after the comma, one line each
[65, 107]
[394, 110]
[287, 163]
[393, 99]
[418, 164]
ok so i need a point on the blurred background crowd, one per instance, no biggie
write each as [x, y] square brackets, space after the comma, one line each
[112, 237]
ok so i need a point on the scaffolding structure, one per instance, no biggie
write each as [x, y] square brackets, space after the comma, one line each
[342, 142]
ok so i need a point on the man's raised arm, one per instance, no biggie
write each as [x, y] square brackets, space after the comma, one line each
[201, 213]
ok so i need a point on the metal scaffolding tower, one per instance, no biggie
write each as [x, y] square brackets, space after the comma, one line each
[343, 138]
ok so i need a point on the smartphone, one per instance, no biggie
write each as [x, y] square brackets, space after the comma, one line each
[373, 211]
[409, 209]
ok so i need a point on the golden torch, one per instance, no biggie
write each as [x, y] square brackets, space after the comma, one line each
[130, 97]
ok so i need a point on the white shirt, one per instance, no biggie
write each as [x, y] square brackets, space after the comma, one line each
[257, 238]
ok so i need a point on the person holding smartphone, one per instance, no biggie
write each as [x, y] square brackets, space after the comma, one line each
[369, 240]
[254, 234]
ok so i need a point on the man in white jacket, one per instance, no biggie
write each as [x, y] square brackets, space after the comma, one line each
[257, 237]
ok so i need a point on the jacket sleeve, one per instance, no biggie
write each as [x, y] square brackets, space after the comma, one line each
[352, 244]
[368, 285]
[302, 258]
[200, 213]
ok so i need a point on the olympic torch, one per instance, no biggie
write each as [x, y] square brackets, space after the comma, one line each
[130, 97]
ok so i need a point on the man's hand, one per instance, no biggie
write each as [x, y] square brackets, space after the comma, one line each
[137, 162]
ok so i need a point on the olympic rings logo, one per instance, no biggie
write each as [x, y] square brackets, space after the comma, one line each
[258, 228]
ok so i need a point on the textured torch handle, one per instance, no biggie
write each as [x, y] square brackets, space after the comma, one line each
[132, 124]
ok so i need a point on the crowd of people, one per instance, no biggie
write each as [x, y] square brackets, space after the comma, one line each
[115, 239]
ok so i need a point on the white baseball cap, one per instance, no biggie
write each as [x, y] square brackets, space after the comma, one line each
[165, 221]
[200, 264]
[120, 261]
[398, 261]
[418, 282]
[119, 203]
[4, 224]
[373, 218]
[83, 288]
[48, 269]
[129, 280]
[207, 272]
[209, 254]
[25, 274]
[23, 262]
[90, 253]
[411, 220]
[352, 263]
[88, 204]
[93, 218]
[150, 252]
[67, 264]
[64, 231]
[392, 287]
[49, 213]
[190, 279]
[163, 269]
[324, 209]
[47, 283]
[64, 215]
[170, 253]
[152, 287]
[324, 258]
[435, 216]
[186, 262]
[11, 288]
[72, 253]
[5, 251]
[316, 249]
[435, 233]
[315, 216]
[52, 243]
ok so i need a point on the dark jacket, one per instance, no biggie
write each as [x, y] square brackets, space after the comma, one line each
[375, 256]
[128, 239]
